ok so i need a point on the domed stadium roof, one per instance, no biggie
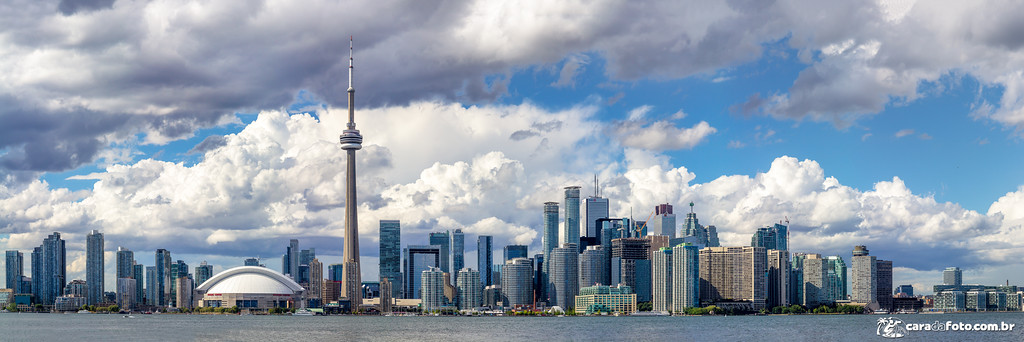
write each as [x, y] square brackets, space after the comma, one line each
[250, 279]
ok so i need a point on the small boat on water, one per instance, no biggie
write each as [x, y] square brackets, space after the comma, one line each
[303, 312]
[84, 312]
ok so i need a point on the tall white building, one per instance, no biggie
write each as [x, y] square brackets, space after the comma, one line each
[517, 282]
[564, 276]
[661, 278]
[663, 222]
[685, 277]
[432, 289]
[864, 287]
[470, 292]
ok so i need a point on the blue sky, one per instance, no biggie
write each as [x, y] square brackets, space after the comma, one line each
[874, 122]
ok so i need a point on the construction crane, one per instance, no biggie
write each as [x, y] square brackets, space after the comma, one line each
[639, 230]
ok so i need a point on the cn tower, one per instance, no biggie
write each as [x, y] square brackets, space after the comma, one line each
[351, 141]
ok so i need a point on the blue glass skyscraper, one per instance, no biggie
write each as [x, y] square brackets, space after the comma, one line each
[484, 258]
[515, 251]
[550, 241]
[443, 241]
[54, 268]
[390, 257]
[94, 267]
[458, 253]
[571, 228]
[162, 286]
[15, 263]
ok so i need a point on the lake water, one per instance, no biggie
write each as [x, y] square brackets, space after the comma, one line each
[96, 327]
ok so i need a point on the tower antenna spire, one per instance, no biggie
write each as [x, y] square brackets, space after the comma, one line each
[351, 90]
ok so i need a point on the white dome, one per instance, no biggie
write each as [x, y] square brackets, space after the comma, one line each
[250, 280]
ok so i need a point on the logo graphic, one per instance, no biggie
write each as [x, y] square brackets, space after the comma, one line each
[891, 327]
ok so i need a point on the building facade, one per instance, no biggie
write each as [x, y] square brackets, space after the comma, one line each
[685, 277]
[778, 278]
[162, 283]
[515, 251]
[94, 271]
[736, 273]
[564, 268]
[418, 258]
[606, 299]
[952, 276]
[432, 289]
[443, 241]
[663, 222]
[571, 229]
[53, 277]
[15, 269]
[484, 259]
[470, 292]
[661, 278]
[458, 253]
[593, 267]
[596, 208]
[864, 289]
[517, 282]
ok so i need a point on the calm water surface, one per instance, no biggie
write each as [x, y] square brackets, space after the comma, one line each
[95, 327]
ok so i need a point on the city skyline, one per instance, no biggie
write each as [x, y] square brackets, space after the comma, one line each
[755, 115]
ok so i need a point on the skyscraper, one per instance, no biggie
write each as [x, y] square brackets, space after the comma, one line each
[883, 284]
[736, 273]
[351, 141]
[517, 282]
[483, 259]
[630, 265]
[179, 269]
[316, 282]
[515, 251]
[458, 253]
[15, 263]
[952, 276]
[162, 285]
[563, 269]
[125, 263]
[290, 260]
[337, 271]
[571, 228]
[94, 266]
[54, 267]
[443, 241]
[126, 293]
[593, 267]
[470, 291]
[140, 296]
[837, 276]
[771, 237]
[183, 295]
[685, 277]
[815, 281]
[664, 221]
[418, 259]
[432, 289]
[661, 278]
[550, 241]
[203, 272]
[596, 208]
[152, 290]
[864, 273]
[390, 257]
[778, 278]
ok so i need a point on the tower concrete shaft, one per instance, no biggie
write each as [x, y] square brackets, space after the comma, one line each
[351, 141]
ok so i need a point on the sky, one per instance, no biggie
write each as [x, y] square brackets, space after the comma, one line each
[211, 128]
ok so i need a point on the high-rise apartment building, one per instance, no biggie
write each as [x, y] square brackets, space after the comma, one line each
[152, 289]
[125, 263]
[470, 292]
[316, 281]
[184, 294]
[290, 260]
[663, 222]
[549, 242]
[15, 263]
[736, 273]
[815, 281]
[771, 237]
[571, 227]
[443, 241]
[162, 285]
[883, 284]
[630, 265]
[517, 282]
[336, 272]
[484, 258]
[563, 269]
[778, 278]
[418, 259]
[94, 272]
[837, 278]
[458, 253]
[865, 268]
[203, 273]
[685, 277]
[952, 276]
[596, 208]
[390, 257]
[140, 293]
[661, 279]
[515, 251]
[432, 289]
[54, 267]
[126, 293]
[37, 272]
[593, 267]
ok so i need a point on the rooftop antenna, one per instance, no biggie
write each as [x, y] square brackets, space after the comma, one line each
[351, 90]
[595, 186]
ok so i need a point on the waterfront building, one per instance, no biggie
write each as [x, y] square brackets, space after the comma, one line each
[778, 278]
[458, 253]
[517, 282]
[606, 299]
[469, 292]
[139, 275]
[661, 278]
[6, 297]
[386, 301]
[15, 269]
[571, 227]
[549, 242]
[250, 288]
[184, 294]
[796, 278]
[162, 294]
[152, 291]
[952, 276]
[53, 266]
[316, 282]
[883, 284]
[976, 300]
[538, 279]
[69, 303]
[418, 258]
[864, 286]
[1014, 301]
[390, 257]
[664, 221]
[432, 289]
[736, 273]
[443, 241]
[203, 272]
[997, 301]
[837, 278]
[330, 291]
[37, 273]
[125, 263]
[94, 270]
[77, 288]
[630, 266]
[593, 268]
[179, 269]
[493, 297]
[685, 277]
[815, 279]
[515, 251]
[596, 208]
[564, 275]
[951, 301]
[290, 260]
[484, 258]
